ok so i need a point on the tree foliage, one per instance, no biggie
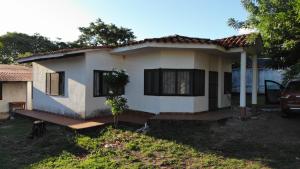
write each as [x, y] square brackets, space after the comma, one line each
[291, 73]
[15, 45]
[99, 33]
[278, 23]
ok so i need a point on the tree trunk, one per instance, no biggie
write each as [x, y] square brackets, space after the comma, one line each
[38, 129]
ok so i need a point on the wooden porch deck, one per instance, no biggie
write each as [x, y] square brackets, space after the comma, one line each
[130, 117]
[78, 124]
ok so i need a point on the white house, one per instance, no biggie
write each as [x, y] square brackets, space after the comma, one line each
[174, 74]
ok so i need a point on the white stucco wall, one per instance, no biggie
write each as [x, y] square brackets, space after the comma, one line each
[134, 91]
[202, 62]
[12, 92]
[221, 64]
[135, 65]
[73, 102]
[98, 60]
[80, 102]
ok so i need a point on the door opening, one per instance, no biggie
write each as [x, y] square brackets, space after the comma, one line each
[213, 91]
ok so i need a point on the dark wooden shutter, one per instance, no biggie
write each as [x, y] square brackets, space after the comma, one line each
[151, 82]
[61, 83]
[155, 81]
[48, 84]
[199, 82]
[1, 96]
[97, 81]
[147, 82]
[104, 86]
[54, 80]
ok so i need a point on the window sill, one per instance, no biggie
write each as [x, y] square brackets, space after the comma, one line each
[55, 95]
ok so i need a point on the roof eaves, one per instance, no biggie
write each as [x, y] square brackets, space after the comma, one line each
[57, 54]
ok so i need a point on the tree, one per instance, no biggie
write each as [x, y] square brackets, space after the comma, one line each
[116, 80]
[278, 24]
[15, 45]
[100, 33]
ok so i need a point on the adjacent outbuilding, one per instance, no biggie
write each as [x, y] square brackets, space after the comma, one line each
[15, 87]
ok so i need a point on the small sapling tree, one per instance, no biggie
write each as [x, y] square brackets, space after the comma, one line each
[116, 80]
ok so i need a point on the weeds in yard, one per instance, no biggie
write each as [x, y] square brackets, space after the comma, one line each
[189, 146]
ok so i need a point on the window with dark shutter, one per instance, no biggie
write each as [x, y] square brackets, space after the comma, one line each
[101, 88]
[174, 82]
[55, 83]
[227, 82]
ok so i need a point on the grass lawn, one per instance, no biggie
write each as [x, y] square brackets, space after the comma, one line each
[172, 145]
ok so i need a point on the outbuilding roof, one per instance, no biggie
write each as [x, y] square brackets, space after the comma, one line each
[226, 43]
[15, 73]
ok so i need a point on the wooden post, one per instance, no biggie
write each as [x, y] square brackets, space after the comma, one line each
[38, 129]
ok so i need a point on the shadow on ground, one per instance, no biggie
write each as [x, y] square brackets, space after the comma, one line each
[268, 138]
[18, 151]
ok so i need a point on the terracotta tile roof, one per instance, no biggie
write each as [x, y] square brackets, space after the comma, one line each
[227, 43]
[172, 39]
[233, 41]
[15, 73]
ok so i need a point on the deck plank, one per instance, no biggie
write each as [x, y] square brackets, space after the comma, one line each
[78, 124]
[59, 119]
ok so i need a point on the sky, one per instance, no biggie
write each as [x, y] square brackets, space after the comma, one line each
[147, 18]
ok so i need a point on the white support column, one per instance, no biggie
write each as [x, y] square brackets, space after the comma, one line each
[254, 83]
[29, 96]
[243, 85]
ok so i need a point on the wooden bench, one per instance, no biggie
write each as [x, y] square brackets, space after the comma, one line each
[16, 106]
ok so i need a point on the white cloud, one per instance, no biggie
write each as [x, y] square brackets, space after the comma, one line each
[245, 31]
[51, 18]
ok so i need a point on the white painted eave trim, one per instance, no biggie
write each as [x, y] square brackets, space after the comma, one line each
[53, 56]
[120, 50]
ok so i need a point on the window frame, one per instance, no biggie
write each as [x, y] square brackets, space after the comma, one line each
[160, 82]
[61, 83]
[100, 83]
